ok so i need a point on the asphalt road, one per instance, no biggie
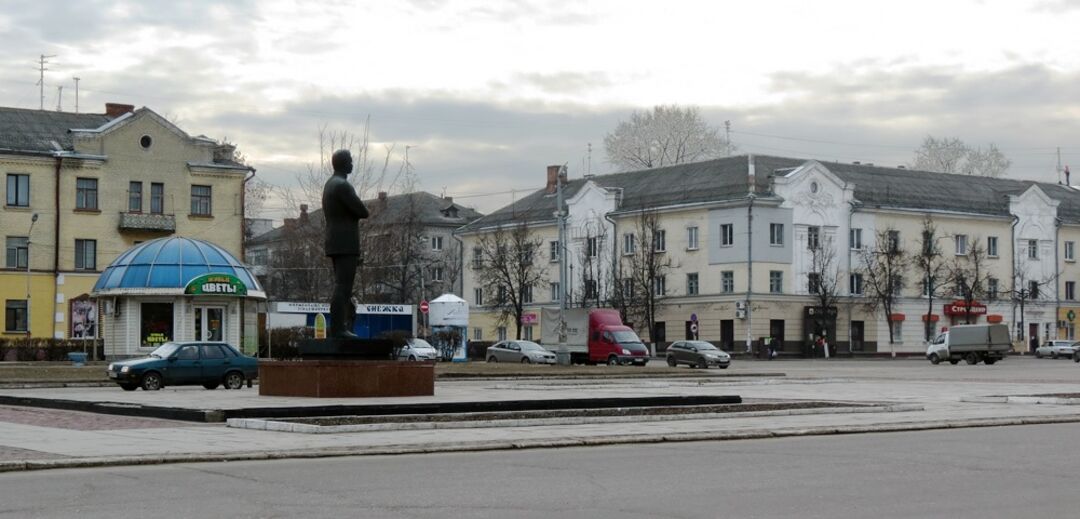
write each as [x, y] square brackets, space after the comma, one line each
[1027, 471]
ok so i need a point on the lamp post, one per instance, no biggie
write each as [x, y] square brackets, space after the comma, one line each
[29, 233]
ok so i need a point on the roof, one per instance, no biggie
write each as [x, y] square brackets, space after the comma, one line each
[727, 179]
[428, 207]
[37, 130]
[167, 264]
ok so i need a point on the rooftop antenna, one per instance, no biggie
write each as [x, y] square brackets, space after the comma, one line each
[588, 170]
[76, 94]
[42, 61]
[59, 98]
[727, 137]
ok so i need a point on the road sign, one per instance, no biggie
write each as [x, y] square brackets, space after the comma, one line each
[693, 317]
[693, 328]
[423, 307]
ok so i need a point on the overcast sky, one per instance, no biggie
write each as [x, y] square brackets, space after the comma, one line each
[485, 94]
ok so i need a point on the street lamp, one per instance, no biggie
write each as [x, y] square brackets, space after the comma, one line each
[29, 233]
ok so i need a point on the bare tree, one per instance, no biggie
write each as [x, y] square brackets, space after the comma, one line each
[969, 275]
[931, 266]
[823, 284]
[951, 155]
[395, 252]
[506, 268]
[646, 270]
[298, 269]
[883, 267]
[594, 277]
[665, 135]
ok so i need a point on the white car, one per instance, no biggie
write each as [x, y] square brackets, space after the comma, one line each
[1056, 348]
[417, 350]
[525, 352]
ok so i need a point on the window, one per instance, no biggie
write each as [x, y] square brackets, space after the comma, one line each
[135, 197]
[855, 283]
[776, 234]
[555, 291]
[1070, 290]
[157, 198]
[691, 238]
[776, 282]
[553, 251]
[478, 296]
[1070, 251]
[18, 252]
[928, 286]
[18, 190]
[855, 239]
[436, 273]
[813, 237]
[436, 243]
[477, 258]
[590, 247]
[992, 246]
[692, 284]
[659, 285]
[590, 289]
[527, 254]
[727, 235]
[892, 241]
[85, 254]
[992, 289]
[1033, 249]
[727, 281]
[15, 315]
[961, 244]
[526, 294]
[501, 333]
[1033, 289]
[200, 200]
[156, 326]
[478, 334]
[500, 294]
[660, 241]
[898, 331]
[258, 256]
[629, 243]
[527, 333]
[212, 351]
[86, 193]
[628, 288]
[813, 283]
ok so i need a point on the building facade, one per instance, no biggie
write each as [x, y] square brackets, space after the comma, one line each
[742, 241]
[82, 188]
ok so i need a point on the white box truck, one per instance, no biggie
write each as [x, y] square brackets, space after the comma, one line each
[971, 343]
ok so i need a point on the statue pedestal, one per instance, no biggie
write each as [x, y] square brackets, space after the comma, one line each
[347, 349]
[345, 378]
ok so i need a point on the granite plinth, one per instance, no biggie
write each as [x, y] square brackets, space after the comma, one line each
[345, 378]
[346, 349]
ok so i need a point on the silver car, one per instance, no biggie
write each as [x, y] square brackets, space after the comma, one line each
[525, 352]
[416, 350]
[1056, 348]
[698, 354]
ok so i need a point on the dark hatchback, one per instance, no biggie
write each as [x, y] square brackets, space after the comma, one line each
[186, 363]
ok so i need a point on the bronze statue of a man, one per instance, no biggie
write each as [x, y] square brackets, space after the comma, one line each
[343, 211]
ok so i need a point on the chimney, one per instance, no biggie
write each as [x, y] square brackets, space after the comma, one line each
[751, 174]
[290, 223]
[303, 214]
[449, 199]
[224, 152]
[382, 196]
[1067, 176]
[116, 109]
[552, 178]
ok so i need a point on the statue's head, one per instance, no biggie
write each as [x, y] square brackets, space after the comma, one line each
[342, 161]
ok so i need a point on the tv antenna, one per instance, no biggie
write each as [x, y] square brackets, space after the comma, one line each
[42, 61]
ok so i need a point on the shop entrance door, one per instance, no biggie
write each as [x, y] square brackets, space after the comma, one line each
[210, 323]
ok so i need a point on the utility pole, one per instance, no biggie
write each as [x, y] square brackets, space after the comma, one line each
[76, 94]
[42, 61]
[727, 137]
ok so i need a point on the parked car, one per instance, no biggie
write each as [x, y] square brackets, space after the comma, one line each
[186, 363]
[525, 352]
[417, 349]
[698, 354]
[1057, 348]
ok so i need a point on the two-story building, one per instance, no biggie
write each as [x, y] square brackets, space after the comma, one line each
[739, 237]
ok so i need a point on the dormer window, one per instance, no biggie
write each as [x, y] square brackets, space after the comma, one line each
[450, 212]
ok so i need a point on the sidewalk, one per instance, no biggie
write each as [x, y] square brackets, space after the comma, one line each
[37, 439]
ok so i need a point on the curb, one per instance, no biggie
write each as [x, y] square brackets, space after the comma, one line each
[390, 450]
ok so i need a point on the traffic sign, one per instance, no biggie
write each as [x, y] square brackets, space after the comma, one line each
[693, 328]
[693, 317]
[423, 307]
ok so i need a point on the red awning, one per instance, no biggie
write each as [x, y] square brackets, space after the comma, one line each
[931, 318]
[994, 318]
[897, 317]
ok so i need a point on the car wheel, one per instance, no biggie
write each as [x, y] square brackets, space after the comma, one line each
[1076, 358]
[129, 387]
[152, 381]
[612, 361]
[954, 362]
[492, 359]
[210, 385]
[1038, 355]
[934, 359]
[702, 364]
[525, 360]
[234, 380]
[989, 361]
[1053, 355]
[723, 366]
[971, 358]
[412, 358]
[671, 361]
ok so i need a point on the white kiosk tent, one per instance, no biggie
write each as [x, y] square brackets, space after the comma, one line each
[448, 317]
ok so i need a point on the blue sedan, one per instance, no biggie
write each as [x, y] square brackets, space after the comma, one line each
[186, 363]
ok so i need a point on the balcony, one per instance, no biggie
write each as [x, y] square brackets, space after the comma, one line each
[164, 223]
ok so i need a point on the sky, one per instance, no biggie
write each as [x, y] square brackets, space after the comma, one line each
[485, 94]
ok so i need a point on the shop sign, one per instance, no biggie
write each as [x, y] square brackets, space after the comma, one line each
[529, 318]
[960, 308]
[385, 309]
[302, 308]
[216, 285]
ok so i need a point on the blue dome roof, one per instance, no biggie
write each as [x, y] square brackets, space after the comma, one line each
[170, 263]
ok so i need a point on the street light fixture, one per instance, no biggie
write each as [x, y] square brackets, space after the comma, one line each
[29, 233]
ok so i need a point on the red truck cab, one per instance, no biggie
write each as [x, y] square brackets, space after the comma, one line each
[612, 342]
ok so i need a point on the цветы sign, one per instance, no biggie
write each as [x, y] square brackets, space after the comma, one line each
[216, 285]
